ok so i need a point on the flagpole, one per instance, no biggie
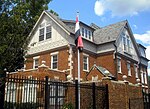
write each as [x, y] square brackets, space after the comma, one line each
[78, 79]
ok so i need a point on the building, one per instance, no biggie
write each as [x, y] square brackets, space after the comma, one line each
[112, 48]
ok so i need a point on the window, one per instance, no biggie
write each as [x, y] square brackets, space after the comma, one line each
[119, 65]
[45, 32]
[83, 32]
[54, 61]
[143, 52]
[124, 43]
[36, 62]
[85, 63]
[48, 32]
[136, 71]
[41, 34]
[142, 77]
[89, 34]
[129, 68]
[128, 45]
[145, 76]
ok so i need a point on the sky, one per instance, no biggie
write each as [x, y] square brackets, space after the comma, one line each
[105, 12]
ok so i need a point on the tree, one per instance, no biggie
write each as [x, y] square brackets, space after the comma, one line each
[16, 21]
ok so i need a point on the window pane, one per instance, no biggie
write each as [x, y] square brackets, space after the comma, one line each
[124, 43]
[54, 62]
[129, 69]
[128, 45]
[82, 31]
[36, 63]
[89, 34]
[85, 63]
[41, 34]
[55, 65]
[48, 32]
[119, 65]
[85, 33]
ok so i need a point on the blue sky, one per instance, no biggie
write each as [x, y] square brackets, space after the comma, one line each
[105, 12]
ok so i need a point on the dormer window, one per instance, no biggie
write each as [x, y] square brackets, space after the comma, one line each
[82, 32]
[89, 34]
[86, 33]
[44, 32]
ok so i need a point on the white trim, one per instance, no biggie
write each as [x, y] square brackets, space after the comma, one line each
[54, 53]
[136, 71]
[85, 55]
[57, 23]
[36, 57]
[119, 58]
[51, 18]
[129, 72]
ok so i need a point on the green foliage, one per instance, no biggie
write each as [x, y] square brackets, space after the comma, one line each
[16, 21]
[68, 106]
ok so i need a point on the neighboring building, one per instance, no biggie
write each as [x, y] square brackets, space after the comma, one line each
[112, 48]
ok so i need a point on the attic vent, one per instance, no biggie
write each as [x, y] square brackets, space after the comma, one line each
[108, 38]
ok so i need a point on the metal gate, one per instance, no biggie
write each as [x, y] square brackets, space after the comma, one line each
[34, 93]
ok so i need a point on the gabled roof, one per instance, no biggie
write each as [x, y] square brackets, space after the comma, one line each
[108, 33]
[56, 19]
[101, 70]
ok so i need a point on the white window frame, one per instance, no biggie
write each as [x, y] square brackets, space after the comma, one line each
[119, 64]
[128, 45]
[52, 55]
[87, 62]
[142, 77]
[34, 59]
[145, 76]
[129, 68]
[45, 25]
[126, 41]
[136, 70]
[82, 31]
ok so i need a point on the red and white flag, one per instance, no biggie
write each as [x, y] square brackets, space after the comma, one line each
[78, 38]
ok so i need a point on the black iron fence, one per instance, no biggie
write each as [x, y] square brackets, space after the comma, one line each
[146, 100]
[33, 93]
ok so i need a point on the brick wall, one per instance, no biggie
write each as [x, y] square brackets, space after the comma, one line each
[46, 56]
[121, 92]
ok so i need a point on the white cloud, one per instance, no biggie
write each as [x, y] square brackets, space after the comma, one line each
[99, 9]
[145, 38]
[121, 7]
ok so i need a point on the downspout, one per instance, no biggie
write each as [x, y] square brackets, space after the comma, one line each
[115, 56]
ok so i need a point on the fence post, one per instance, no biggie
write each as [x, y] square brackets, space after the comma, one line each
[93, 96]
[129, 103]
[56, 98]
[2, 88]
[76, 94]
[46, 93]
[107, 97]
